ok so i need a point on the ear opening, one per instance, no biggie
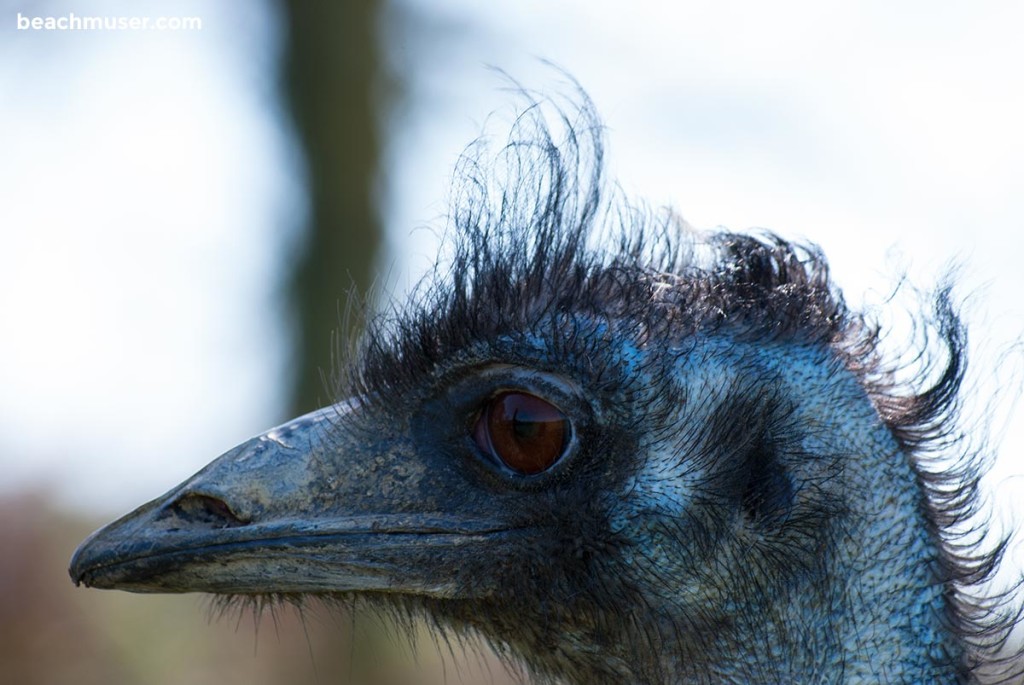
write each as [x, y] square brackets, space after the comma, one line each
[768, 493]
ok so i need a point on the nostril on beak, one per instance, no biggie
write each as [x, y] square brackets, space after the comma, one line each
[200, 508]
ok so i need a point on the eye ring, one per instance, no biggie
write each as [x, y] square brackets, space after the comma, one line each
[523, 432]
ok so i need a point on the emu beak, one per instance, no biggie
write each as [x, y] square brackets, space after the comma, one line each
[311, 506]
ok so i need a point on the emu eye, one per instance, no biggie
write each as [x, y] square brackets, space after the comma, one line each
[524, 432]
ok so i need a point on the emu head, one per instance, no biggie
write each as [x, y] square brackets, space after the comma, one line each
[620, 450]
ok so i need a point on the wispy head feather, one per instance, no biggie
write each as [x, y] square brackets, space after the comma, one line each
[538, 240]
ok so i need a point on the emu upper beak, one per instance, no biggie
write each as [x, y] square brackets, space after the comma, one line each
[310, 506]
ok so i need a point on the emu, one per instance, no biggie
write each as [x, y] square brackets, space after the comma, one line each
[619, 450]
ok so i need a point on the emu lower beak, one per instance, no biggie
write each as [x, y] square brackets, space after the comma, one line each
[311, 506]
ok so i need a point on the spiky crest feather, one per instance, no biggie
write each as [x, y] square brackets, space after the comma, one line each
[536, 235]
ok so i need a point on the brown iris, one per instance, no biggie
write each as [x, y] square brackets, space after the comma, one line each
[524, 432]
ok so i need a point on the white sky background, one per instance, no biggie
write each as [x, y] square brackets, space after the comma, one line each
[149, 190]
[147, 197]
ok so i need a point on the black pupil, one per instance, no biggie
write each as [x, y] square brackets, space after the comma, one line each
[524, 425]
[526, 433]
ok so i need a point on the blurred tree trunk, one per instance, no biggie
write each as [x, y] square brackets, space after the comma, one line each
[330, 82]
